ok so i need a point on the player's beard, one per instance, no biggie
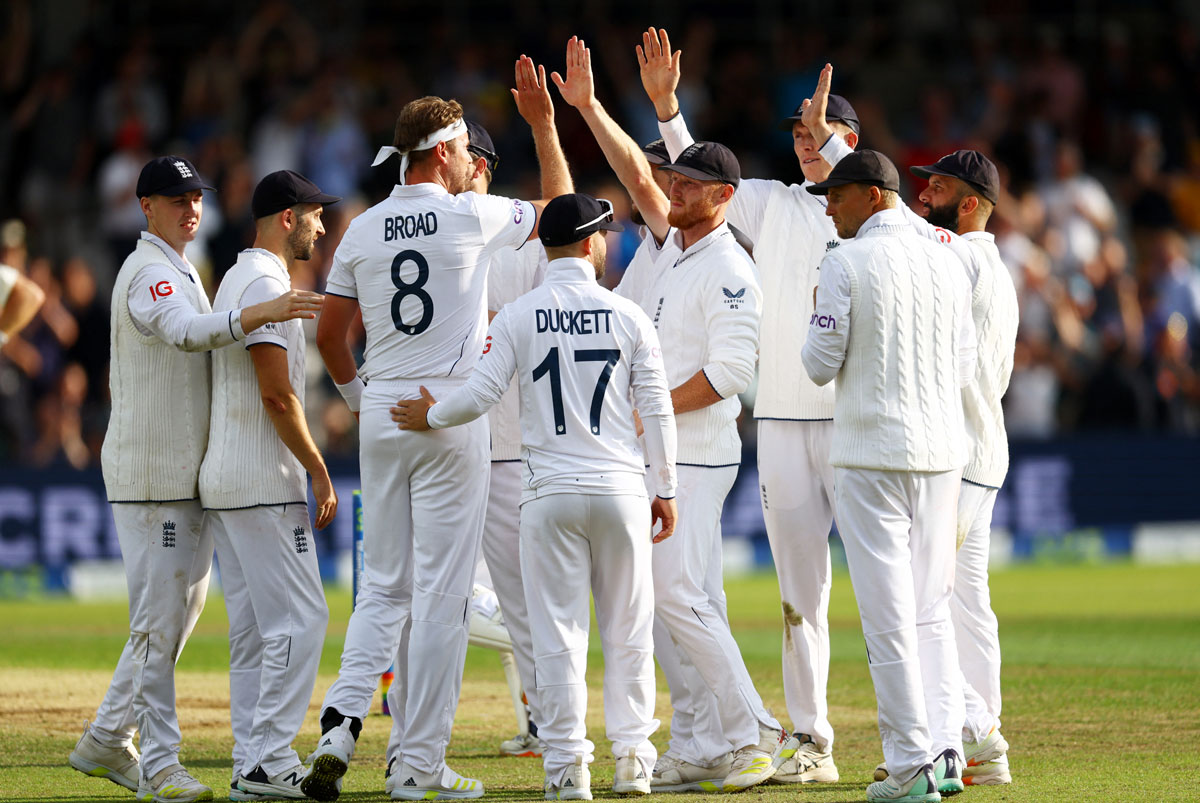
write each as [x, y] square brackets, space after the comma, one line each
[465, 181]
[301, 243]
[702, 209]
[945, 216]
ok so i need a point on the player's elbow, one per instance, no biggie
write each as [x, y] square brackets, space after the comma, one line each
[275, 401]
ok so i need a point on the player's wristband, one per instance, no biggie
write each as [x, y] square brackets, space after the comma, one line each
[352, 392]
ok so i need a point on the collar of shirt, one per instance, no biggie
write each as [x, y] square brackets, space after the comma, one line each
[570, 270]
[417, 190]
[884, 217]
[701, 244]
[271, 258]
[986, 236]
[179, 263]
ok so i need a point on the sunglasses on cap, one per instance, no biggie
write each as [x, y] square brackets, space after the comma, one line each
[493, 161]
[604, 218]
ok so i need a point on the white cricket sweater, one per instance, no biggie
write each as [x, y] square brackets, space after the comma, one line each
[995, 312]
[908, 349]
[791, 235]
[705, 304]
[246, 463]
[158, 428]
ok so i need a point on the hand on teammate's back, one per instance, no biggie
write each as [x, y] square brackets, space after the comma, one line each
[411, 413]
[532, 93]
[664, 511]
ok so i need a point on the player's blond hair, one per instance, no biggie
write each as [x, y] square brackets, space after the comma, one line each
[420, 118]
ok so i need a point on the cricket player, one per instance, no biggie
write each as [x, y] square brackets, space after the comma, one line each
[254, 489]
[893, 324]
[790, 234]
[162, 327]
[699, 289]
[412, 265]
[963, 189]
[585, 359]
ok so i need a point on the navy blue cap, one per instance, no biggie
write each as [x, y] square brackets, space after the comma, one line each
[282, 190]
[570, 218]
[860, 167]
[837, 109]
[970, 166]
[169, 175]
[707, 161]
[656, 153]
[479, 143]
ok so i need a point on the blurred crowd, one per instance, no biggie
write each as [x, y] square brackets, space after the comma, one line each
[1092, 111]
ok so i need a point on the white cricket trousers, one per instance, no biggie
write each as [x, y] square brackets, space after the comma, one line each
[277, 619]
[167, 550]
[796, 481]
[975, 628]
[424, 495]
[570, 542]
[716, 707]
[898, 529]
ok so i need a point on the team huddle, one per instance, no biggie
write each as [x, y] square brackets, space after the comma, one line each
[883, 342]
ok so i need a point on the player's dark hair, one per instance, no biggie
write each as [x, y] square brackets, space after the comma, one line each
[420, 118]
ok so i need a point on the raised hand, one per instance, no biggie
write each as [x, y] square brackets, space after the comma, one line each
[812, 113]
[532, 93]
[659, 66]
[577, 89]
[411, 413]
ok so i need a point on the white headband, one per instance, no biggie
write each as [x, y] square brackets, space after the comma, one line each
[455, 129]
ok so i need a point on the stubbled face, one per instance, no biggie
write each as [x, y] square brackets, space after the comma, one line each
[940, 200]
[812, 164]
[461, 166]
[849, 205]
[175, 218]
[599, 255]
[309, 227]
[692, 201]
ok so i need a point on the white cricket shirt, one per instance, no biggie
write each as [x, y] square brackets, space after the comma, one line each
[246, 463]
[416, 263]
[584, 359]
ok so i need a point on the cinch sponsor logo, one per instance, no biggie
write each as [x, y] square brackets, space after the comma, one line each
[518, 211]
[823, 321]
[406, 226]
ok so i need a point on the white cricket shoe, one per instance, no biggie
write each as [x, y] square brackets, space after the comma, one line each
[881, 771]
[523, 745]
[173, 785]
[921, 788]
[328, 763]
[986, 761]
[116, 764]
[412, 784]
[285, 784]
[238, 794]
[803, 762]
[630, 776]
[756, 763]
[576, 783]
[673, 774]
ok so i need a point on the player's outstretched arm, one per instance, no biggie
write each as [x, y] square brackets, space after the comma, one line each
[623, 154]
[532, 94]
[292, 304]
[287, 415]
[659, 68]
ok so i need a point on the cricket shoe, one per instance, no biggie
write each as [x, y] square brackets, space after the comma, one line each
[947, 769]
[922, 788]
[116, 764]
[630, 776]
[236, 793]
[987, 761]
[523, 745]
[285, 785]
[756, 763]
[803, 762]
[881, 771]
[575, 784]
[673, 774]
[412, 784]
[173, 785]
[329, 762]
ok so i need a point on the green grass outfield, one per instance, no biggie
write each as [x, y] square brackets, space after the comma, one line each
[1101, 682]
